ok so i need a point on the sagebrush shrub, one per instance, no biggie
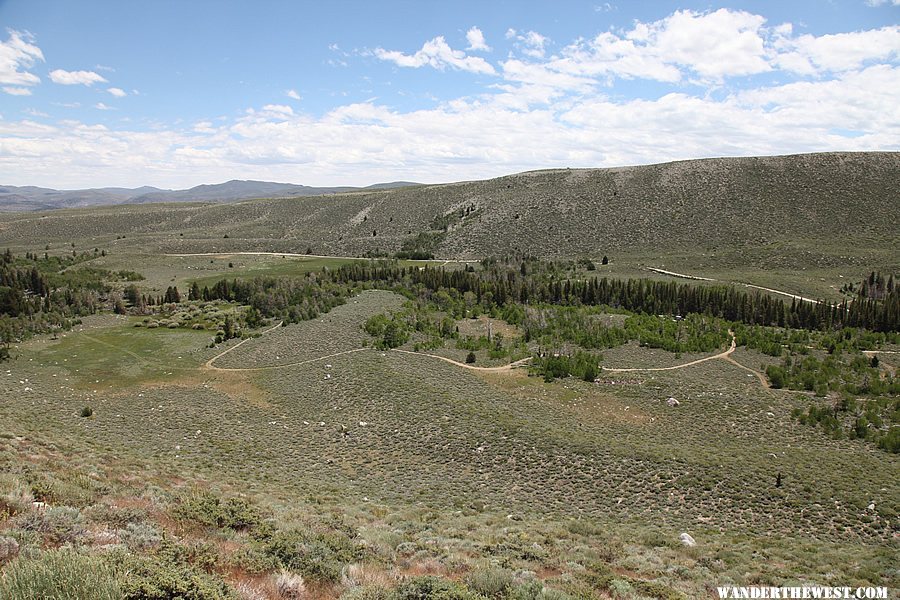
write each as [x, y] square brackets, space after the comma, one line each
[63, 573]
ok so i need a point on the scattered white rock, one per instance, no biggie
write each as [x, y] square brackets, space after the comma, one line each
[871, 506]
[673, 402]
[687, 540]
[771, 415]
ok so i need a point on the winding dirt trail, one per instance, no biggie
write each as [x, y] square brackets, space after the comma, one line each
[285, 365]
[726, 354]
[500, 369]
[749, 285]
[209, 364]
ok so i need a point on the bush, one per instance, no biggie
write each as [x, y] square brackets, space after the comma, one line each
[470, 358]
[535, 590]
[434, 588]
[87, 411]
[59, 525]
[208, 509]
[139, 536]
[16, 498]
[166, 574]
[63, 573]
[493, 583]
[290, 586]
[9, 548]
[317, 555]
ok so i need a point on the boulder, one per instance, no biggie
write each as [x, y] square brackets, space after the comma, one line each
[687, 540]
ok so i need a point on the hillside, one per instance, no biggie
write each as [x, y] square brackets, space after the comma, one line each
[839, 201]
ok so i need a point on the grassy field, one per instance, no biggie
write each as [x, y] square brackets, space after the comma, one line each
[443, 470]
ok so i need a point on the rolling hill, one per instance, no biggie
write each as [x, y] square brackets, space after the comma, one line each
[823, 202]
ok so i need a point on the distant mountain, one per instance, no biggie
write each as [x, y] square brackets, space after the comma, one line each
[30, 198]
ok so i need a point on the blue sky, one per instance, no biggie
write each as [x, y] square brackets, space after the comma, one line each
[174, 94]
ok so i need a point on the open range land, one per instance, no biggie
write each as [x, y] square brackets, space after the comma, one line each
[614, 383]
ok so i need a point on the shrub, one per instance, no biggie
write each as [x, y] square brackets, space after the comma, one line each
[290, 586]
[208, 509]
[87, 411]
[470, 358]
[139, 536]
[9, 548]
[317, 555]
[63, 573]
[434, 588]
[493, 583]
[535, 590]
[16, 498]
[166, 574]
[368, 592]
[59, 525]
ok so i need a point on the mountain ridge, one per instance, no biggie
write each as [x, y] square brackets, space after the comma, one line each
[34, 198]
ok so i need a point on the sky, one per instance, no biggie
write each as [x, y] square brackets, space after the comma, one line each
[175, 94]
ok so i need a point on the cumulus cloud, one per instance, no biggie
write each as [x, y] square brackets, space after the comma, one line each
[808, 54]
[101, 106]
[707, 46]
[117, 92]
[438, 54]
[17, 55]
[76, 77]
[476, 40]
[293, 95]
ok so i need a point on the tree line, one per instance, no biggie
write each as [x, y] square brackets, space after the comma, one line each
[499, 284]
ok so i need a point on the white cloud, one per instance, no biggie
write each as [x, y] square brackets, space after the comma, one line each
[75, 77]
[17, 55]
[530, 43]
[876, 3]
[101, 106]
[117, 92]
[17, 91]
[293, 94]
[438, 54]
[279, 109]
[710, 46]
[808, 54]
[476, 40]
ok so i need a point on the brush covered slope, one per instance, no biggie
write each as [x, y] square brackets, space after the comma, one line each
[833, 204]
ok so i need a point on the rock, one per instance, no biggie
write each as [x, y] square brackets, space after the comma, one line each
[687, 540]
[673, 402]
[871, 506]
